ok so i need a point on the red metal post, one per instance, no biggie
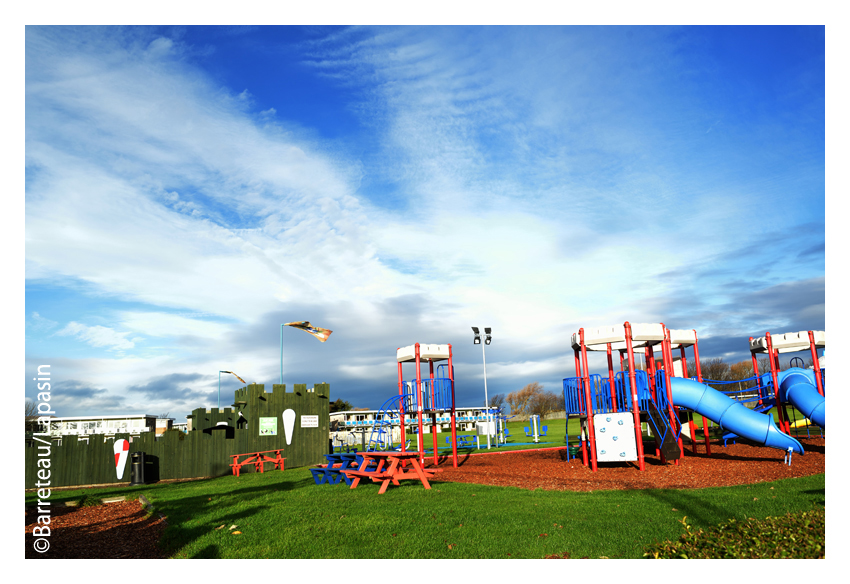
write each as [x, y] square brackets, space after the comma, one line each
[649, 355]
[691, 425]
[756, 373]
[774, 367]
[635, 404]
[578, 398]
[420, 441]
[433, 411]
[668, 373]
[454, 431]
[588, 402]
[401, 407]
[815, 362]
[699, 378]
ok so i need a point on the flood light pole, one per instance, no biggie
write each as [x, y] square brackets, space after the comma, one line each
[219, 387]
[219, 384]
[477, 341]
[281, 351]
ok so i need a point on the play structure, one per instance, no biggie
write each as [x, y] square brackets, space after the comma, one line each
[613, 409]
[799, 387]
[802, 388]
[422, 397]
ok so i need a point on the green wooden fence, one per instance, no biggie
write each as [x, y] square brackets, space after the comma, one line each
[175, 455]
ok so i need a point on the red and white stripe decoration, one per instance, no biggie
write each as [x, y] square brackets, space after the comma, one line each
[121, 449]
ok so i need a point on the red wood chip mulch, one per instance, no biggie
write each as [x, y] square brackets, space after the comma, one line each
[111, 530]
[125, 530]
[736, 464]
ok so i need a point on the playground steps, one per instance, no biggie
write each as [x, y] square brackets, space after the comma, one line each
[669, 445]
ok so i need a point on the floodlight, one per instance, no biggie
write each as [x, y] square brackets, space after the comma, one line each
[477, 341]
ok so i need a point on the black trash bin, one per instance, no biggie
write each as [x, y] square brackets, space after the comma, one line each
[137, 468]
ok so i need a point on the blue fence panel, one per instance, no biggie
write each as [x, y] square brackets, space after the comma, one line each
[624, 392]
[574, 396]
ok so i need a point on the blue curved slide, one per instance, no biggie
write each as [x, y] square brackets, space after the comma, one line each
[731, 415]
[797, 387]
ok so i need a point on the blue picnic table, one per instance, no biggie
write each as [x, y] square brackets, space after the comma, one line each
[330, 473]
[333, 472]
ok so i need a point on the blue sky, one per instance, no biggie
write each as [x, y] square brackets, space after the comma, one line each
[189, 189]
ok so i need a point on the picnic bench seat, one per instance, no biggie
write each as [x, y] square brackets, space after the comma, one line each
[257, 459]
[332, 476]
[333, 472]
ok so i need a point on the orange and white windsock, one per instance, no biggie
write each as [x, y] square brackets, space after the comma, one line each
[320, 333]
[121, 449]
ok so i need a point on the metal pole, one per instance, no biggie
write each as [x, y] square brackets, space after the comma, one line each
[486, 399]
[219, 390]
[281, 354]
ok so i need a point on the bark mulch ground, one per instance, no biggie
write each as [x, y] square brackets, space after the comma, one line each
[110, 530]
[736, 464]
[126, 530]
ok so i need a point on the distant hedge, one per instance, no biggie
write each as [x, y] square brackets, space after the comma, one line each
[795, 535]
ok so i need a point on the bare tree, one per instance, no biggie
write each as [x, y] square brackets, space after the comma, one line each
[30, 416]
[545, 402]
[521, 399]
[497, 401]
[714, 370]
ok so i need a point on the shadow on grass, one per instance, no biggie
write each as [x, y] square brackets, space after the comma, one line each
[181, 511]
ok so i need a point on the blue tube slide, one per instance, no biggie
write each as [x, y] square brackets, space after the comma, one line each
[731, 415]
[797, 387]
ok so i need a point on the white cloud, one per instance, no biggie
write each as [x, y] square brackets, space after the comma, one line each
[161, 324]
[41, 324]
[97, 336]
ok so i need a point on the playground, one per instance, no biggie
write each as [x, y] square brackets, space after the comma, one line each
[544, 489]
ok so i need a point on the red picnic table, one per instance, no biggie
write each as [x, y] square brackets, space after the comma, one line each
[390, 467]
[257, 459]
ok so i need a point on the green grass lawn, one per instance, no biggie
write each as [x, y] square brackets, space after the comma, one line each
[285, 515]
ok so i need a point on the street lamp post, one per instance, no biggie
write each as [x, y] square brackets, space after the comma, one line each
[477, 341]
[281, 353]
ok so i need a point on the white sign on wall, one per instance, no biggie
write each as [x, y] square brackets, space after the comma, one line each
[309, 421]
